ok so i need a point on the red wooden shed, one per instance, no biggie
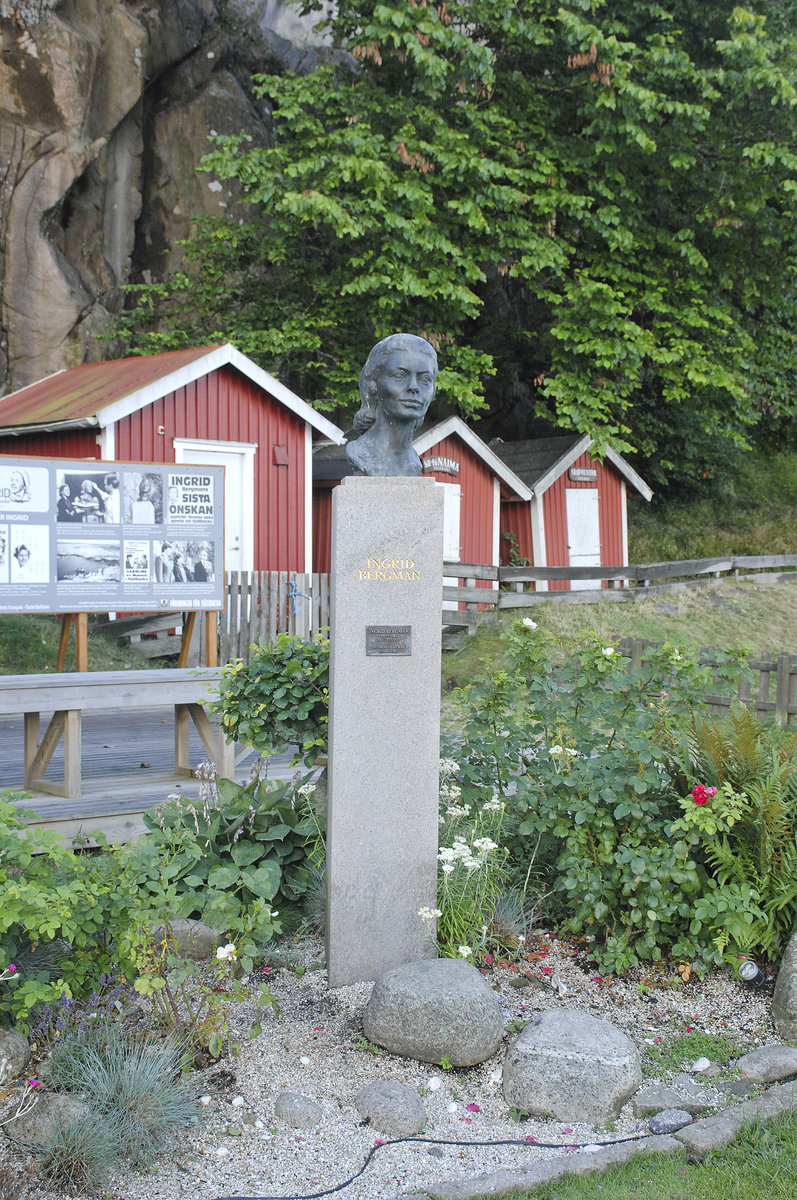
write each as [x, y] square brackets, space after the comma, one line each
[475, 478]
[577, 514]
[207, 405]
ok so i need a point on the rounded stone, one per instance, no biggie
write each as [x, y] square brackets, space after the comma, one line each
[784, 997]
[669, 1120]
[435, 1010]
[571, 1066]
[391, 1108]
[298, 1111]
[14, 1054]
[768, 1064]
[50, 1108]
[188, 939]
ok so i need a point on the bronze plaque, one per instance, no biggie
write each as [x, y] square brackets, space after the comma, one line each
[388, 639]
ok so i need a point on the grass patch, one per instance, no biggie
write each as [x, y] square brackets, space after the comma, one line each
[759, 1163]
[729, 612]
[673, 1053]
[752, 509]
[29, 646]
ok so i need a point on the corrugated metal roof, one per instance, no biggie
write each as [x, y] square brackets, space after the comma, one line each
[76, 396]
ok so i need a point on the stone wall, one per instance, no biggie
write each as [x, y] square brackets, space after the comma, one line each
[105, 112]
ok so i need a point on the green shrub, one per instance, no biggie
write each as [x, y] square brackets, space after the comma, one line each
[280, 697]
[228, 859]
[62, 915]
[580, 750]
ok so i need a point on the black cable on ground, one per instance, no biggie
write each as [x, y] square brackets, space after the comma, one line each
[529, 1143]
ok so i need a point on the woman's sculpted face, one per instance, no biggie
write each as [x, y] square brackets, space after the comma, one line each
[405, 384]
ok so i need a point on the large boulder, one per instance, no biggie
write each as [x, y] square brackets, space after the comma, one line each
[433, 1010]
[784, 998]
[14, 1054]
[391, 1107]
[50, 1109]
[572, 1067]
[769, 1064]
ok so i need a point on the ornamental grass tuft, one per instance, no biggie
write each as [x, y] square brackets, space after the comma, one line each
[75, 1154]
[137, 1087]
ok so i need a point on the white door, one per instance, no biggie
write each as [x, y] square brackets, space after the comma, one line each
[452, 502]
[238, 460]
[583, 533]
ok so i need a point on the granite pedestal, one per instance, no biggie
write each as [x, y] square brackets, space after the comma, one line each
[386, 623]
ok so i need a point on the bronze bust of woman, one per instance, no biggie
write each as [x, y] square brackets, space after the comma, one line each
[397, 385]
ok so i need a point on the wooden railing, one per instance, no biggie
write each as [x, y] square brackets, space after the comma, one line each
[486, 589]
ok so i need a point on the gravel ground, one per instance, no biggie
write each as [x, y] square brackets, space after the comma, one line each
[242, 1150]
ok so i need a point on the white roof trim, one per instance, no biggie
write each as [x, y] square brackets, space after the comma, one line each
[576, 450]
[630, 474]
[444, 429]
[221, 357]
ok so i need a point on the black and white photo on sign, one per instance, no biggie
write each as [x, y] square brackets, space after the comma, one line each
[4, 554]
[24, 489]
[190, 499]
[180, 561]
[29, 550]
[142, 498]
[88, 497]
[136, 560]
[88, 560]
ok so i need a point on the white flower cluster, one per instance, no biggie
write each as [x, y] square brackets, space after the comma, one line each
[448, 766]
[429, 914]
[306, 790]
[495, 804]
[458, 810]
[470, 857]
[450, 792]
[465, 951]
[562, 751]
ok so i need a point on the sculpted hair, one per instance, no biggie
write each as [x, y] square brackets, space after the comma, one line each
[369, 376]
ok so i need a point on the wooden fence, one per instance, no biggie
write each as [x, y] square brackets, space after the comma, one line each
[261, 604]
[771, 689]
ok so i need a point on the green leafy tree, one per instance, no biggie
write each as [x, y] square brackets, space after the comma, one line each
[589, 210]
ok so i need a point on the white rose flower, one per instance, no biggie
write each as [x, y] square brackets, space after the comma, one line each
[227, 953]
[527, 621]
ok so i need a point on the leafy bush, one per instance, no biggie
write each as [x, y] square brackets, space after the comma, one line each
[280, 697]
[63, 914]
[245, 846]
[580, 749]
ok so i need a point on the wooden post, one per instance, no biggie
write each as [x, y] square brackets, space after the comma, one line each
[211, 648]
[81, 641]
[66, 621]
[81, 623]
[782, 691]
[185, 644]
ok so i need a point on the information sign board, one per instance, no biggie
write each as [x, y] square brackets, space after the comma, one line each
[86, 536]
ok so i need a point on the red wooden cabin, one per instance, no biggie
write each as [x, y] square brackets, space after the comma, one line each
[207, 405]
[577, 515]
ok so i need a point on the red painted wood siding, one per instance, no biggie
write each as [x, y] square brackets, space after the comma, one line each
[69, 443]
[516, 519]
[609, 517]
[224, 406]
[476, 512]
[322, 530]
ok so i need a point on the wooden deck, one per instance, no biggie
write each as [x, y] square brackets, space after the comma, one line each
[128, 768]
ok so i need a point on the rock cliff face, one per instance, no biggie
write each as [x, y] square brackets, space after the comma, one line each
[105, 111]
